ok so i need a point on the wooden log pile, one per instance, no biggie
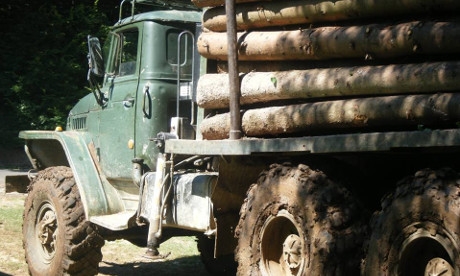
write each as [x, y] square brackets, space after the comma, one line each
[256, 87]
[280, 13]
[412, 111]
[364, 41]
[346, 65]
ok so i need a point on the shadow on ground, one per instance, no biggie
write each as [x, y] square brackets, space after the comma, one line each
[177, 267]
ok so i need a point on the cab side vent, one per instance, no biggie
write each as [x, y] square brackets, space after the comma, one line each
[79, 123]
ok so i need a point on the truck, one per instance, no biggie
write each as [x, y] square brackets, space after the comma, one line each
[290, 137]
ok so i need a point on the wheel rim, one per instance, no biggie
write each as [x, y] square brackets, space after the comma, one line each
[281, 246]
[46, 231]
[437, 267]
[425, 253]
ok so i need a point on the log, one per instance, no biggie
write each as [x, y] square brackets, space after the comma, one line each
[216, 127]
[354, 114]
[269, 66]
[259, 87]
[372, 41]
[281, 13]
[245, 67]
[215, 3]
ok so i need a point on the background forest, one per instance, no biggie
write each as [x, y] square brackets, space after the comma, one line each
[43, 61]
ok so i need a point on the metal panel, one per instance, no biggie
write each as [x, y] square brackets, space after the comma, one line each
[342, 143]
[98, 198]
[189, 205]
[177, 4]
[191, 201]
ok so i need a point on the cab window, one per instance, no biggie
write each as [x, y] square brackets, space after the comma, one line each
[122, 51]
[128, 52]
[185, 49]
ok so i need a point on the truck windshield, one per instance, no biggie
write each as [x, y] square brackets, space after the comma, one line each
[121, 52]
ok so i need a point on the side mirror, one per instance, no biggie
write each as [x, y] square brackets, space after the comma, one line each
[95, 59]
[96, 68]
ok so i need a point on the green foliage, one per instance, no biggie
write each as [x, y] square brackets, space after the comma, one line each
[43, 61]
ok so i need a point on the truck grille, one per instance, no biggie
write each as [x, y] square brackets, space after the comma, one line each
[79, 123]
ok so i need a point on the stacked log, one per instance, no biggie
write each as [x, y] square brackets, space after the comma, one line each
[393, 79]
[364, 41]
[346, 65]
[354, 114]
[281, 13]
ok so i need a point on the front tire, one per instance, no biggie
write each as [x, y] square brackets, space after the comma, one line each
[296, 221]
[416, 232]
[57, 238]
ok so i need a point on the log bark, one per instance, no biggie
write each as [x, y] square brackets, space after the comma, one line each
[372, 41]
[281, 13]
[269, 66]
[355, 114]
[258, 87]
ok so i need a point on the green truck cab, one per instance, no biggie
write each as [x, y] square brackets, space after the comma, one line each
[138, 96]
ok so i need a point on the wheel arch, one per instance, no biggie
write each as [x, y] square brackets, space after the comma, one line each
[73, 149]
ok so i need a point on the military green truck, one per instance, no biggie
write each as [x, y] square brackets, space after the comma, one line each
[290, 137]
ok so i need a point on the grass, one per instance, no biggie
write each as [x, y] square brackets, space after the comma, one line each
[11, 252]
[10, 219]
[120, 257]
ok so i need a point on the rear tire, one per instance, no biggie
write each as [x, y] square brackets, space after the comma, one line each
[417, 230]
[296, 221]
[57, 238]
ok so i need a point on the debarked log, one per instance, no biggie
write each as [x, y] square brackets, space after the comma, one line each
[245, 67]
[372, 41]
[258, 87]
[353, 114]
[281, 13]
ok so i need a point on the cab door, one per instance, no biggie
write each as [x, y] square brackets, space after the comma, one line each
[117, 117]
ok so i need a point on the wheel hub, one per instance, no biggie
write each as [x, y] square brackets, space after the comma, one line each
[46, 231]
[438, 267]
[292, 251]
[47, 227]
[281, 246]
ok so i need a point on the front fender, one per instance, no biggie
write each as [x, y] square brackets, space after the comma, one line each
[73, 149]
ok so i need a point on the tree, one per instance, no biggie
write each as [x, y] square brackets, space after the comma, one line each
[43, 53]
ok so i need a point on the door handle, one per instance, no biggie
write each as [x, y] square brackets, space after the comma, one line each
[147, 103]
[129, 102]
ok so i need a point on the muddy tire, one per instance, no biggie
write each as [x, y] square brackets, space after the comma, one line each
[417, 230]
[296, 221]
[222, 265]
[57, 238]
